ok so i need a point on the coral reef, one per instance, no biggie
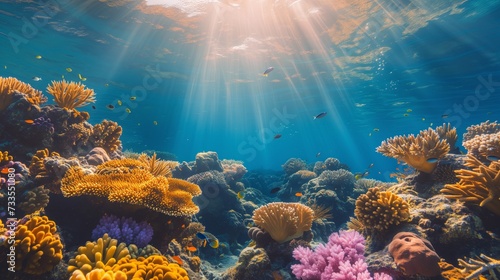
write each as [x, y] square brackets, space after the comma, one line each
[293, 165]
[71, 95]
[380, 210]
[476, 267]
[414, 255]
[284, 221]
[150, 268]
[34, 200]
[98, 274]
[207, 161]
[420, 152]
[124, 230]
[97, 156]
[158, 167]
[486, 127]
[107, 136]
[449, 134]
[484, 146]
[9, 86]
[253, 263]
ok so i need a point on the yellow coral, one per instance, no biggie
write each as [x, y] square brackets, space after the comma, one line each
[70, 95]
[37, 167]
[418, 152]
[38, 247]
[107, 136]
[98, 274]
[9, 85]
[158, 167]
[103, 253]
[133, 184]
[380, 210]
[154, 267]
[284, 221]
[481, 185]
[5, 157]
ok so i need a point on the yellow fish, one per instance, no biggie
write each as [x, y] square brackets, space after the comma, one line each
[405, 115]
[69, 70]
[38, 57]
[155, 122]
[128, 110]
[241, 194]
[409, 110]
[119, 102]
[82, 78]
[133, 98]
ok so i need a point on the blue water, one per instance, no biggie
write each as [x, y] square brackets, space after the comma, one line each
[378, 69]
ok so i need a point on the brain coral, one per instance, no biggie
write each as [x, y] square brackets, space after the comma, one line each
[481, 185]
[128, 181]
[417, 151]
[154, 267]
[380, 210]
[284, 221]
[341, 181]
[38, 247]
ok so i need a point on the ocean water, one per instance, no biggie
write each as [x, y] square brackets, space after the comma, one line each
[194, 71]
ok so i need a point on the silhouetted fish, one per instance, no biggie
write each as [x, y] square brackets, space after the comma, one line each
[319, 116]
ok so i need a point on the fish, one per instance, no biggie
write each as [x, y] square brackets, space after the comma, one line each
[177, 259]
[69, 70]
[191, 249]
[155, 122]
[277, 136]
[371, 165]
[492, 158]
[210, 238]
[5, 67]
[376, 129]
[106, 85]
[268, 70]
[132, 98]
[29, 121]
[444, 116]
[241, 194]
[119, 102]
[81, 77]
[409, 110]
[432, 160]
[405, 115]
[275, 190]
[318, 154]
[38, 57]
[5, 170]
[36, 79]
[360, 175]
[110, 106]
[320, 115]
[298, 194]
[93, 107]
[128, 110]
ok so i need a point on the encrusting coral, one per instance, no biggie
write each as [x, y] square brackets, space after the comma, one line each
[128, 181]
[70, 95]
[381, 210]
[420, 152]
[38, 247]
[107, 136]
[481, 185]
[284, 221]
[10, 85]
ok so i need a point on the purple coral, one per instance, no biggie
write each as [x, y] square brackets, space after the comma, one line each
[44, 123]
[339, 259]
[124, 230]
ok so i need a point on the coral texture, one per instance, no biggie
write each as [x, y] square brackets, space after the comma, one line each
[10, 85]
[340, 258]
[124, 230]
[34, 200]
[99, 274]
[481, 185]
[381, 210]
[414, 255]
[107, 136]
[448, 133]
[158, 167]
[71, 95]
[293, 165]
[154, 267]
[486, 127]
[418, 152]
[284, 221]
[38, 247]
[476, 267]
[37, 166]
[484, 146]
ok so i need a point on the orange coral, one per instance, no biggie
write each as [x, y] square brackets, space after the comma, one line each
[284, 221]
[380, 210]
[158, 167]
[131, 183]
[98, 274]
[418, 152]
[107, 136]
[37, 167]
[481, 185]
[152, 267]
[70, 95]
[38, 247]
[9, 85]
[5, 157]
[447, 133]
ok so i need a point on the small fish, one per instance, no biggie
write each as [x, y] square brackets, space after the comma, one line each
[409, 110]
[444, 116]
[371, 165]
[268, 70]
[360, 175]
[36, 79]
[106, 85]
[376, 129]
[128, 110]
[110, 106]
[191, 248]
[298, 194]
[319, 116]
[405, 115]
[5, 170]
[210, 238]
[275, 190]
[492, 158]
[370, 134]
[69, 70]
[318, 154]
[38, 57]
[81, 77]
[432, 160]
[277, 136]
[93, 107]
[241, 194]
[119, 102]
[5, 67]
[423, 119]
[29, 121]
[132, 98]
[177, 259]
[139, 123]
[155, 122]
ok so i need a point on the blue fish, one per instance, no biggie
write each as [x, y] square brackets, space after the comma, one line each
[432, 160]
[319, 116]
[268, 70]
[493, 158]
[210, 238]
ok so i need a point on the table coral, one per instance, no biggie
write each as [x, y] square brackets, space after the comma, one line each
[38, 247]
[9, 85]
[284, 221]
[418, 152]
[70, 95]
[107, 136]
[481, 185]
[154, 267]
[381, 210]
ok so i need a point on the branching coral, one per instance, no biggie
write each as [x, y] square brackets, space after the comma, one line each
[482, 128]
[476, 267]
[152, 267]
[284, 221]
[447, 133]
[127, 181]
[481, 185]
[103, 253]
[381, 210]
[158, 167]
[107, 136]
[70, 95]
[10, 85]
[38, 247]
[5, 157]
[419, 152]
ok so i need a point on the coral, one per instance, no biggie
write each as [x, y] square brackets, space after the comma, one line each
[293, 165]
[482, 128]
[450, 272]
[484, 146]
[124, 230]
[103, 253]
[340, 258]
[233, 171]
[127, 181]
[476, 267]
[34, 200]
[418, 152]
[10, 85]
[97, 156]
[158, 167]
[381, 210]
[207, 161]
[145, 252]
[38, 247]
[5, 157]
[414, 255]
[153, 267]
[195, 263]
[481, 185]
[253, 263]
[260, 237]
[98, 274]
[37, 166]
[321, 212]
[284, 221]
[107, 136]
[70, 95]
[448, 133]
[340, 181]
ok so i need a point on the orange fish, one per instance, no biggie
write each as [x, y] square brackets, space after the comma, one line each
[5, 170]
[298, 194]
[29, 121]
[191, 248]
[177, 259]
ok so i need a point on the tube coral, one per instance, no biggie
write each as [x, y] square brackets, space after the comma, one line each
[70, 95]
